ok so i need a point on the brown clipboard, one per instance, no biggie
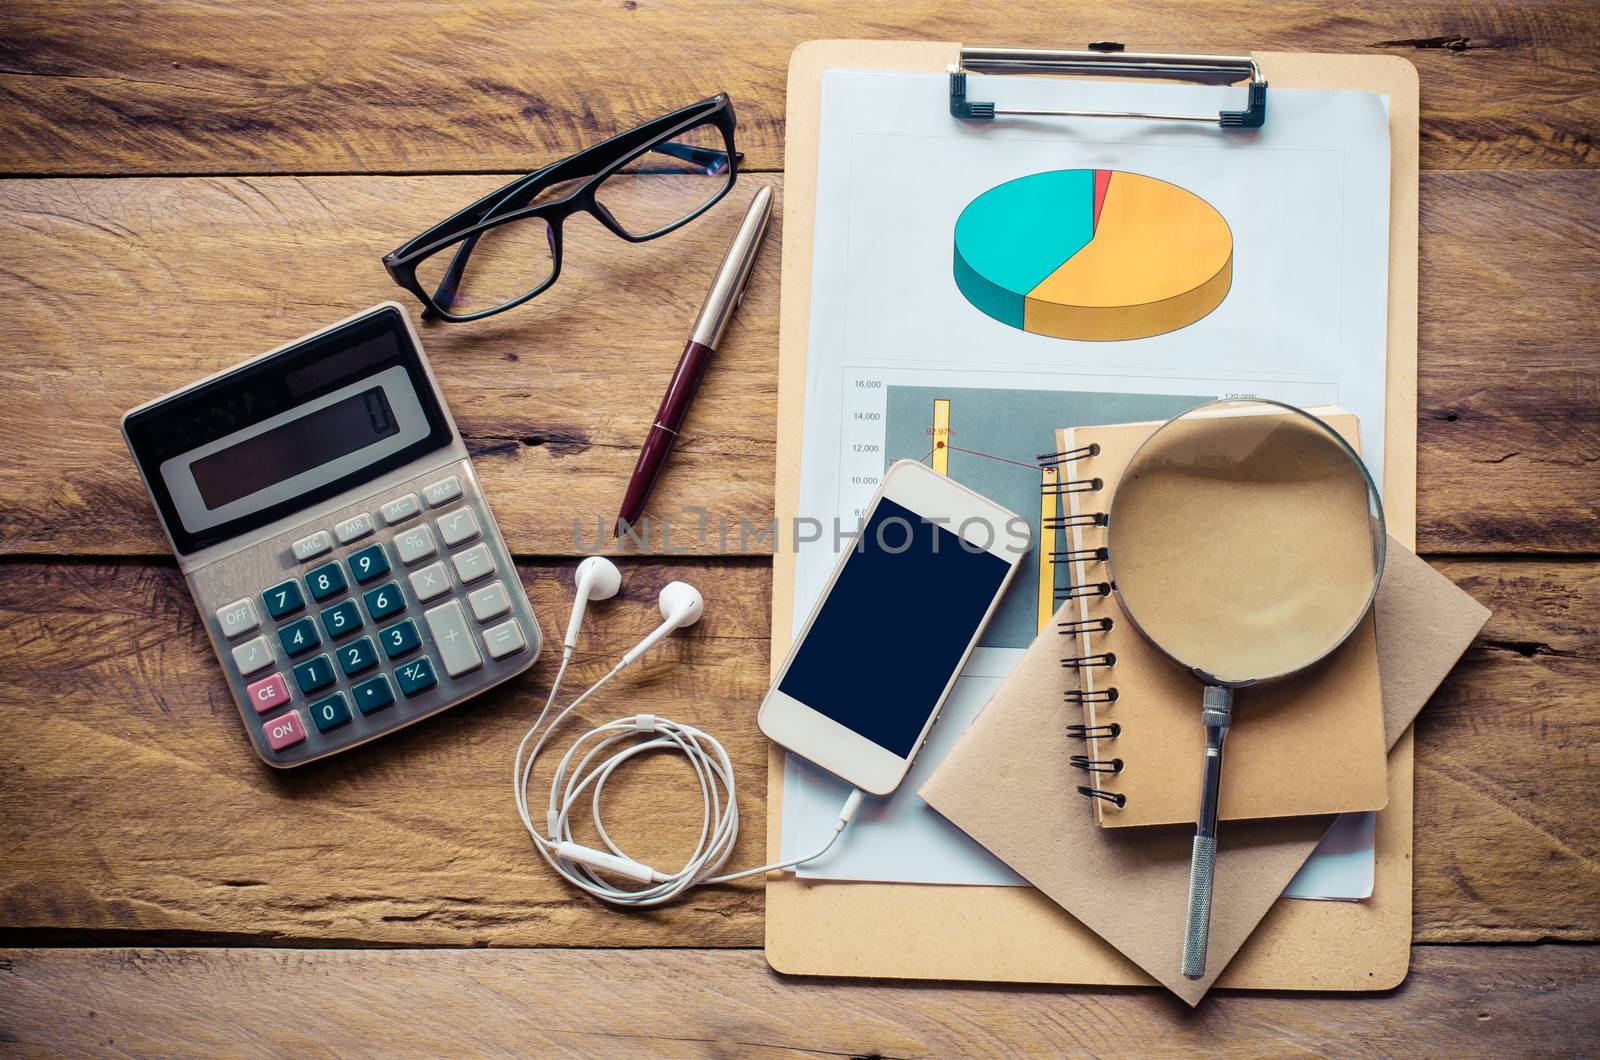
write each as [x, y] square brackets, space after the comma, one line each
[1016, 934]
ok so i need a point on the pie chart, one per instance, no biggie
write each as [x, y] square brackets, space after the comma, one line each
[1093, 254]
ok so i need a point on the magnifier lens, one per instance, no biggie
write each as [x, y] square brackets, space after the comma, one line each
[1245, 540]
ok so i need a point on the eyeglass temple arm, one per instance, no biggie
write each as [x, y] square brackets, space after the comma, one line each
[526, 190]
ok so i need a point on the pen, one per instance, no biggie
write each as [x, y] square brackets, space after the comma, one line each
[727, 290]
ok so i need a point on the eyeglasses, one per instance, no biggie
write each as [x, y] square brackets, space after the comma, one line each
[640, 184]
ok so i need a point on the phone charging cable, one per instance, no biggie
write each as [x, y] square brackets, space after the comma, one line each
[597, 754]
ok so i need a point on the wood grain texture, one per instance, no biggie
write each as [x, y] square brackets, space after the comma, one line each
[302, 86]
[131, 801]
[126, 289]
[132, 807]
[1460, 1001]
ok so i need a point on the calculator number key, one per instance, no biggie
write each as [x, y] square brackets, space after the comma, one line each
[326, 580]
[330, 712]
[400, 638]
[414, 544]
[473, 564]
[267, 694]
[314, 674]
[284, 732]
[343, 617]
[416, 677]
[238, 618]
[371, 562]
[358, 655]
[458, 526]
[283, 598]
[252, 655]
[373, 695]
[384, 601]
[432, 580]
[299, 636]
[454, 640]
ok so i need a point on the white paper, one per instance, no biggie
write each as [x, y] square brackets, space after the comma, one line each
[1344, 864]
[1304, 321]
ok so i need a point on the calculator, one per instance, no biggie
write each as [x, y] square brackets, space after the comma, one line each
[326, 516]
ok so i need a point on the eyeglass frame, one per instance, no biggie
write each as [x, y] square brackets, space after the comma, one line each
[610, 155]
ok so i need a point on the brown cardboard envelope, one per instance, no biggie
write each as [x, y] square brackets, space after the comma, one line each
[1005, 785]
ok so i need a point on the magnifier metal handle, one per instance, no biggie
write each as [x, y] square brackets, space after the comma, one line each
[1216, 713]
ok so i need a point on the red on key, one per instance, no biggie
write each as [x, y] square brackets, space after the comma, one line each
[285, 731]
[267, 693]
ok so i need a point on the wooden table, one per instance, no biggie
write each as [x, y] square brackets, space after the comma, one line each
[160, 891]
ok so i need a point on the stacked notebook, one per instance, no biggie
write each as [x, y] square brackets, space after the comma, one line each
[1310, 744]
[1299, 751]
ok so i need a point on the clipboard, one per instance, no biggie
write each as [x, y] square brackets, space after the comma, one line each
[1016, 934]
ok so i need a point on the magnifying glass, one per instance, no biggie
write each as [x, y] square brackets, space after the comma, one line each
[1246, 541]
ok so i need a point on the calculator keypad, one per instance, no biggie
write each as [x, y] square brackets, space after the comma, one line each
[416, 677]
[342, 618]
[284, 598]
[314, 674]
[372, 696]
[491, 601]
[331, 650]
[267, 694]
[354, 528]
[326, 581]
[299, 636]
[457, 651]
[473, 564]
[252, 656]
[370, 564]
[284, 731]
[386, 600]
[414, 544]
[238, 618]
[357, 656]
[504, 639]
[430, 582]
[313, 545]
[330, 712]
[400, 638]
[443, 491]
[457, 526]
[400, 509]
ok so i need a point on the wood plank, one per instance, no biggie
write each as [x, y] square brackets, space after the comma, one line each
[1505, 766]
[133, 808]
[301, 86]
[1462, 1001]
[1508, 457]
[123, 290]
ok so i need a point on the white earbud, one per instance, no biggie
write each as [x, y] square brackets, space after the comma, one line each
[598, 579]
[681, 607]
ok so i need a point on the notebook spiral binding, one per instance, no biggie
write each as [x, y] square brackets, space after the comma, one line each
[1069, 558]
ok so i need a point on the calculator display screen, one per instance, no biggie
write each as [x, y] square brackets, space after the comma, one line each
[281, 433]
[294, 448]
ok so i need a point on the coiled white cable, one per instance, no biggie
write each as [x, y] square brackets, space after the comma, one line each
[624, 738]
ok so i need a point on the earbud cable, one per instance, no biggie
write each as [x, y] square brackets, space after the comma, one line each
[581, 865]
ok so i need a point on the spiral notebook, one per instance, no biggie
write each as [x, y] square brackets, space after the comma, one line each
[1309, 744]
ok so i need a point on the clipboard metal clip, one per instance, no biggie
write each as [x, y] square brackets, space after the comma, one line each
[1106, 62]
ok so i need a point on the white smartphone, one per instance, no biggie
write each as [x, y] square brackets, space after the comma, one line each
[904, 608]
